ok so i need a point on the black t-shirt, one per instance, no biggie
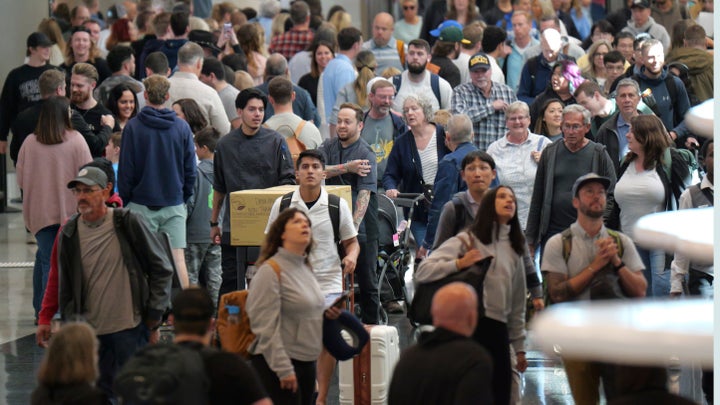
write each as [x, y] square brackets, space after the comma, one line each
[232, 380]
[93, 117]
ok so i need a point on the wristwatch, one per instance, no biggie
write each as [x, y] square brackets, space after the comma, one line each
[214, 224]
[617, 268]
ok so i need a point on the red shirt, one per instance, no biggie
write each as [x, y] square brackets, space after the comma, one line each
[291, 42]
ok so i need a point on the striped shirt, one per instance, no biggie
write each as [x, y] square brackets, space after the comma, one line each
[386, 56]
[488, 124]
[429, 160]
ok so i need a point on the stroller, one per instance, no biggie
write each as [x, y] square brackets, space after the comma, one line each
[396, 250]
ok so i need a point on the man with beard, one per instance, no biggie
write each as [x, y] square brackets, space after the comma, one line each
[484, 101]
[381, 126]
[417, 80]
[109, 259]
[595, 252]
[100, 120]
[669, 99]
[560, 165]
[249, 157]
[122, 65]
[21, 87]
[351, 161]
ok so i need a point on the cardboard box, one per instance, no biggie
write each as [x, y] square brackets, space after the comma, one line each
[250, 209]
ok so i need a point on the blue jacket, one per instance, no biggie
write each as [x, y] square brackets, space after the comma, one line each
[535, 82]
[157, 167]
[447, 183]
[404, 172]
[671, 112]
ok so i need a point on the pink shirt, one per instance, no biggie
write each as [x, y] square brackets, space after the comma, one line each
[43, 172]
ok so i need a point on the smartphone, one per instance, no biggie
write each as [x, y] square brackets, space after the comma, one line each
[227, 27]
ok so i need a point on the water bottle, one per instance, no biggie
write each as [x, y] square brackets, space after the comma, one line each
[233, 314]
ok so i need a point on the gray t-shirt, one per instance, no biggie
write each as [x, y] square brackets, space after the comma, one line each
[568, 167]
[106, 281]
[379, 135]
[227, 96]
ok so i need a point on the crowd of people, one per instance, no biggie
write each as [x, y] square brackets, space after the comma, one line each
[529, 126]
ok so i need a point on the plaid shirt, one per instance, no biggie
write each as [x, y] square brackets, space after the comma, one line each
[488, 124]
[290, 42]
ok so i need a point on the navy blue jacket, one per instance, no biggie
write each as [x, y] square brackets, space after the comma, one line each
[404, 171]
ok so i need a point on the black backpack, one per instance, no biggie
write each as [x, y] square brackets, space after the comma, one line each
[163, 374]
[333, 210]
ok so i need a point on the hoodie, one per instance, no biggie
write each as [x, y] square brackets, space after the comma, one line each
[157, 166]
[700, 63]
[667, 109]
[656, 30]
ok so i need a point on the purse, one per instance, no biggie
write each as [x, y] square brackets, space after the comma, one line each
[419, 311]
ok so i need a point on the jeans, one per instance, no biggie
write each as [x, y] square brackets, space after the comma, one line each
[656, 273]
[418, 230]
[115, 350]
[203, 260]
[45, 240]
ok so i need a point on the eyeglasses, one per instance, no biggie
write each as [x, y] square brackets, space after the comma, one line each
[84, 191]
[389, 98]
[574, 127]
[516, 118]
[408, 8]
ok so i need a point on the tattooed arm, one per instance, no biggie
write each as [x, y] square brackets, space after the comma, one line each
[361, 205]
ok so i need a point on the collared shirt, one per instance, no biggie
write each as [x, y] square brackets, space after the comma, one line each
[337, 74]
[516, 168]
[488, 124]
[386, 56]
[622, 130]
[291, 42]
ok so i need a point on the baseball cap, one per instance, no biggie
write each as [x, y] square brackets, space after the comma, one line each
[640, 3]
[90, 176]
[479, 61]
[447, 23]
[452, 34]
[38, 39]
[589, 178]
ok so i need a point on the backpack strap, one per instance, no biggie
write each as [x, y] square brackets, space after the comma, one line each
[299, 129]
[532, 65]
[276, 267]
[401, 50]
[673, 93]
[397, 82]
[285, 201]
[566, 244]
[618, 241]
[334, 211]
[435, 86]
[459, 215]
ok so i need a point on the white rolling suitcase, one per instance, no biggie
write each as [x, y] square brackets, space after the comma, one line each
[365, 379]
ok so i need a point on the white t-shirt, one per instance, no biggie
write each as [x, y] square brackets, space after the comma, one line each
[638, 194]
[409, 87]
[324, 259]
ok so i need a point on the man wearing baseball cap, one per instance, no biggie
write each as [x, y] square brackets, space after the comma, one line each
[484, 101]
[444, 52]
[116, 274]
[588, 261]
[641, 21]
[21, 86]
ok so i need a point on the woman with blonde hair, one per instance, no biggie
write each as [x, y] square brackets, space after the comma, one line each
[82, 48]
[50, 27]
[341, 19]
[69, 369]
[595, 70]
[356, 91]
[252, 43]
[278, 24]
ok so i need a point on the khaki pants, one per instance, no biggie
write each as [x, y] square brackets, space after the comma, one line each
[584, 380]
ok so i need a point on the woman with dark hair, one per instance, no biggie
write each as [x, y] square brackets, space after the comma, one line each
[48, 159]
[462, 11]
[69, 369]
[189, 111]
[322, 52]
[550, 119]
[566, 77]
[122, 102]
[285, 307]
[601, 29]
[496, 233]
[650, 179]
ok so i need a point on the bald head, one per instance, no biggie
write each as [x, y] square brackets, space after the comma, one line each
[382, 28]
[454, 307]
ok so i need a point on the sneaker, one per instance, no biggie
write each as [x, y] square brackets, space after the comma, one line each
[394, 307]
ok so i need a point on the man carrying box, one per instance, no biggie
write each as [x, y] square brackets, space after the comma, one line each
[325, 260]
[250, 157]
